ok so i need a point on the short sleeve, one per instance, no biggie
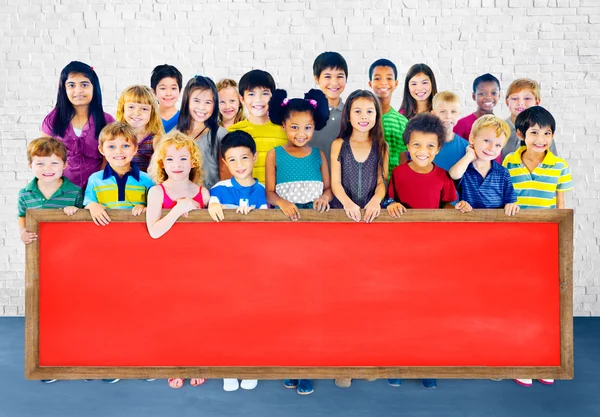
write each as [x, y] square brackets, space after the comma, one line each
[565, 182]
[47, 123]
[448, 190]
[509, 189]
[90, 194]
[22, 208]
[215, 194]
[79, 199]
[108, 118]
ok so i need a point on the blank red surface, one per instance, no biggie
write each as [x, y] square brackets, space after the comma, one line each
[300, 294]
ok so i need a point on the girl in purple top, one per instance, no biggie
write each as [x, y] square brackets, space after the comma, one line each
[77, 120]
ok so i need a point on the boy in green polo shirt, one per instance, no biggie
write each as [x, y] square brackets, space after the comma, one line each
[49, 189]
[383, 79]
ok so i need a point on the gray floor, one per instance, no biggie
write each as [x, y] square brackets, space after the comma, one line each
[22, 398]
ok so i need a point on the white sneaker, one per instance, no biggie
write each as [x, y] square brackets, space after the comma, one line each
[230, 384]
[524, 382]
[546, 381]
[249, 383]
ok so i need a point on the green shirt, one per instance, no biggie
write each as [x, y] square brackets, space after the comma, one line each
[393, 128]
[67, 195]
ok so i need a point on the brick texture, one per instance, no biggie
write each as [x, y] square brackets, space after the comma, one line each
[556, 42]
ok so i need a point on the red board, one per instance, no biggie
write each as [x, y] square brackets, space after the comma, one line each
[300, 294]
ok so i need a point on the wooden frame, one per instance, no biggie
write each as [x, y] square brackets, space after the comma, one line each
[564, 219]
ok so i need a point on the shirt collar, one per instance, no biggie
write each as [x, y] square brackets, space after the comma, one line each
[340, 106]
[32, 186]
[134, 172]
[549, 159]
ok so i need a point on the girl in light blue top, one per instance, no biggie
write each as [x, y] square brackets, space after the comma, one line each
[297, 176]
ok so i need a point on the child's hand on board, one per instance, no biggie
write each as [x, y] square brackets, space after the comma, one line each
[216, 211]
[290, 210]
[463, 206]
[372, 210]
[28, 237]
[137, 210]
[396, 210]
[352, 211]
[99, 214]
[70, 210]
[511, 209]
[185, 205]
[244, 209]
[321, 205]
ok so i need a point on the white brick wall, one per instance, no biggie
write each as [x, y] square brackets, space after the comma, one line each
[556, 42]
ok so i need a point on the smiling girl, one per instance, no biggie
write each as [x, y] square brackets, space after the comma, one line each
[77, 120]
[419, 89]
[199, 120]
[137, 107]
[230, 108]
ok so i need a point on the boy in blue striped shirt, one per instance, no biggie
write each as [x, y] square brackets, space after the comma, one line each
[484, 183]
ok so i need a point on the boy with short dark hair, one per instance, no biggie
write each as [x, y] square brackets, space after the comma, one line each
[486, 93]
[256, 88]
[121, 184]
[242, 192]
[383, 79]
[166, 83]
[330, 72]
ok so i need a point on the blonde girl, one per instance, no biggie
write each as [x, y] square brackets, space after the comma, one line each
[230, 108]
[138, 108]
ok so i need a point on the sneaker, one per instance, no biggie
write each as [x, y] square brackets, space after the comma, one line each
[546, 381]
[343, 382]
[394, 382]
[150, 379]
[249, 383]
[305, 387]
[230, 384]
[48, 381]
[111, 381]
[290, 383]
[496, 379]
[524, 382]
[429, 383]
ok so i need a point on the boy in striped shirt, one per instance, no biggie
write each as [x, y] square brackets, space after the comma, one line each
[49, 189]
[540, 178]
[484, 183]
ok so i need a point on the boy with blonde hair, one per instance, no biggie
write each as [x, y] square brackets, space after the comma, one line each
[446, 106]
[522, 94]
[484, 183]
[121, 184]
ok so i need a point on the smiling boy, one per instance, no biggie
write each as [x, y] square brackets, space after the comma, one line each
[383, 80]
[486, 94]
[166, 83]
[256, 88]
[330, 72]
[121, 184]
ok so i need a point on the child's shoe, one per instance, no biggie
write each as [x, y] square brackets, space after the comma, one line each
[343, 382]
[290, 383]
[394, 382]
[546, 381]
[150, 379]
[230, 384]
[111, 381]
[175, 382]
[305, 387]
[249, 383]
[524, 382]
[429, 383]
[48, 381]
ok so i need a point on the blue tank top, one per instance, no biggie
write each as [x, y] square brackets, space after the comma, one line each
[298, 180]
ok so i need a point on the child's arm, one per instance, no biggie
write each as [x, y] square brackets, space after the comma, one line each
[288, 208]
[157, 226]
[98, 213]
[26, 237]
[510, 197]
[560, 200]
[321, 204]
[373, 207]
[458, 169]
[351, 208]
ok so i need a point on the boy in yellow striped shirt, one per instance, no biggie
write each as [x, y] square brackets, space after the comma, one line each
[540, 178]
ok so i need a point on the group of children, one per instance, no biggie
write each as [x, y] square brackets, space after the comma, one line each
[249, 146]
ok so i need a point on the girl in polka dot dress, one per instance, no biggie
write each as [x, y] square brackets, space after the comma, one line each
[297, 176]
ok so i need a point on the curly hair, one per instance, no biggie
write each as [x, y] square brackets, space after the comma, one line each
[156, 170]
[281, 110]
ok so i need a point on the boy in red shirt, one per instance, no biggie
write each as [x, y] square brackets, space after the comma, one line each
[420, 184]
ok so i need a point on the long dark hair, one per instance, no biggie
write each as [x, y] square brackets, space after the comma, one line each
[375, 134]
[184, 124]
[64, 108]
[279, 112]
[409, 104]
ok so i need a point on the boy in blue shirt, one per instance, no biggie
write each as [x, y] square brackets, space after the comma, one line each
[166, 84]
[484, 183]
[446, 106]
[242, 192]
[121, 184]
